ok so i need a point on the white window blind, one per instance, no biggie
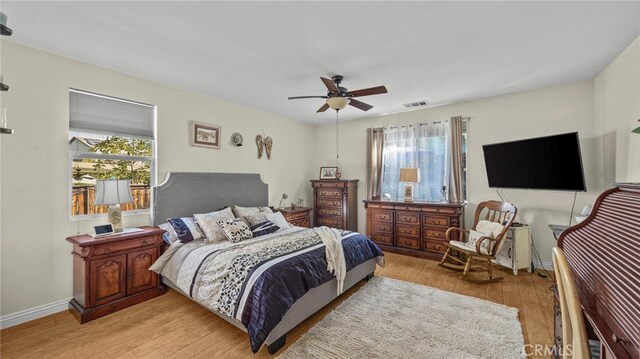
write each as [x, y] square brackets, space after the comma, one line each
[93, 113]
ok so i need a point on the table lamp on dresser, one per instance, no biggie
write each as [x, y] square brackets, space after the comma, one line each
[113, 193]
[409, 176]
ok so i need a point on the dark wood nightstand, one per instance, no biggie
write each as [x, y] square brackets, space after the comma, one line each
[112, 272]
[299, 216]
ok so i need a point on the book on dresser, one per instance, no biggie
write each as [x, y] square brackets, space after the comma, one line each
[412, 228]
[335, 204]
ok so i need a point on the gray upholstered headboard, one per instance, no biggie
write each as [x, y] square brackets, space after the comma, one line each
[184, 193]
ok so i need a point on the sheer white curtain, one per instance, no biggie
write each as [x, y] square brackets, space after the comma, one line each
[398, 152]
[424, 146]
[432, 147]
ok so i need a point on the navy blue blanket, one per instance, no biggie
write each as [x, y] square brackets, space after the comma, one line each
[275, 291]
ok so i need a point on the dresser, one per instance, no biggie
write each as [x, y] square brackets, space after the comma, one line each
[335, 203]
[112, 272]
[298, 216]
[412, 228]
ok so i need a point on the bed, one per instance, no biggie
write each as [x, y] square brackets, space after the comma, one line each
[275, 292]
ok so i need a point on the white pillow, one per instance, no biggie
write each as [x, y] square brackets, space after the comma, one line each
[490, 229]
[209, 224]
[170, 234]
[278, 219]
[242, 212]
[474, 236]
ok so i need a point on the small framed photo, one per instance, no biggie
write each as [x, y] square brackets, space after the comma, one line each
[328, 172]
[204, 135]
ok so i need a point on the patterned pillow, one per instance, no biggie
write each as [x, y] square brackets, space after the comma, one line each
[243, 212]
[209, 224]
[186, 229]
[265, 227]
[255, 218]
[169, 235]
[235, 230]
[486, 245]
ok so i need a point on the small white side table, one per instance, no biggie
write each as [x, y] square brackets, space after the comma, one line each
[515, 252]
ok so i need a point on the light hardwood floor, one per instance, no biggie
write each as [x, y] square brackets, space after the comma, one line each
[172, 326]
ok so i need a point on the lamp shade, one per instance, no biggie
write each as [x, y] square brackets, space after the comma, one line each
[112, 192]
[409, 175]
[337, 103]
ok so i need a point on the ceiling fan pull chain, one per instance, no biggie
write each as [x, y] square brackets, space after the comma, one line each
[337, 152]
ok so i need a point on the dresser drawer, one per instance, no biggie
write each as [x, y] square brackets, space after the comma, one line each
[406, 217]
[443, 210]
[329, 202]
[329, 193]
[408, 242]
[382, 238]
[110, 248]
[410, 231]
[435, 233]
[330, 222]
[382, 227]
[331, 212]
[435, 246]
[429, 220]
[382, 216]
[301, 222]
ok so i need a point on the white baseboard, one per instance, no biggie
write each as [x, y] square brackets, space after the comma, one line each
[543, 264]
[23, 316]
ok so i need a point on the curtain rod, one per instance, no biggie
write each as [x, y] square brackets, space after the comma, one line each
[464, 119]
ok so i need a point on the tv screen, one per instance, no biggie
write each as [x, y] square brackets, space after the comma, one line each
[552, 162]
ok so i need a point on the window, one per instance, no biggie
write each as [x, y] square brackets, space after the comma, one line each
[109, 138]
[426, 147]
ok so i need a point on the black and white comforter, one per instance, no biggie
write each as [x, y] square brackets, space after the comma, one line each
[256, 281]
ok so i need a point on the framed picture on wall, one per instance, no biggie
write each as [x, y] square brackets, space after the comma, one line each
[328, 172]
[204, 135]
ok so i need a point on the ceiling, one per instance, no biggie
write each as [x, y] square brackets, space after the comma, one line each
[259, 53]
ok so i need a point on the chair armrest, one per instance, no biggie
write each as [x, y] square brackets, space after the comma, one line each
[447, 234]
[479, 244]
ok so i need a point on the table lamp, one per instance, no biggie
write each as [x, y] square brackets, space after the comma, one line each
[409, 176]
[113, 192]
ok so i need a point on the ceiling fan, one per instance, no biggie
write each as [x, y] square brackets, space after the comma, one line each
[339, 97]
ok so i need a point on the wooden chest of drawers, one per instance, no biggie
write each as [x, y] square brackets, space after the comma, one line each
[413, 228]
[112, 272]
[335, 203]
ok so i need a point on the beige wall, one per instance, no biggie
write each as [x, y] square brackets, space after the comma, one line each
[35, 258]
[497, 119]
[617, 94]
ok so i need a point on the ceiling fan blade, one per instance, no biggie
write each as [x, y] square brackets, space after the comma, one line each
[368, 92]
[298, 97]
[323, 108]
[330, 85]
[359, 104]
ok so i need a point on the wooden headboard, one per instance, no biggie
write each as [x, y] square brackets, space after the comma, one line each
[184, 193]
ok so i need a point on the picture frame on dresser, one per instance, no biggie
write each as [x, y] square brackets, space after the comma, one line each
[328, 173]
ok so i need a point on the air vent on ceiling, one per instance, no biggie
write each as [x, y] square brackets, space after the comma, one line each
[416, 104]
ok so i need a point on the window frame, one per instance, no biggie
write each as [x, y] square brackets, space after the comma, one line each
[74, 155]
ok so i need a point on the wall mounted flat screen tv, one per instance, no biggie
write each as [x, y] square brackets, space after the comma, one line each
[552, 162]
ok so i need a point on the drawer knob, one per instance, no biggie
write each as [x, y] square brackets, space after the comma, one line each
[144, 243]
[617, 339]
[108, 251]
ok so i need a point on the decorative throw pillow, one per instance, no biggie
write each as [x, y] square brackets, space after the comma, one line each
[255, 218]
[265, 227]
[490, 229]
[235, 230]
[209, 224]
[169, 235]
[278, 219]
[242, 212]
[186, 229]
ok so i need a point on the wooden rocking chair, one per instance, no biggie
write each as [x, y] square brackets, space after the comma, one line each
[470, 256]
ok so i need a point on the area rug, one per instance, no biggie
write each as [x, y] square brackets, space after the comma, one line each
[389, 318]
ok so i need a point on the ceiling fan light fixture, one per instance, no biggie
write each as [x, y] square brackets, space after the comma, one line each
[337, 103]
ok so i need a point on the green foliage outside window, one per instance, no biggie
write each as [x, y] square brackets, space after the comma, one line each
[137, 171]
